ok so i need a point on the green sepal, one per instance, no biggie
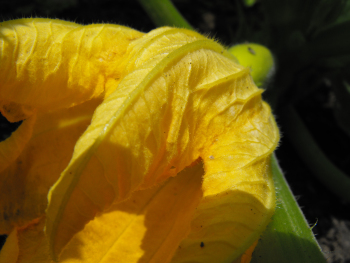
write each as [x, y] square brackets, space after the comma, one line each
[288, 238]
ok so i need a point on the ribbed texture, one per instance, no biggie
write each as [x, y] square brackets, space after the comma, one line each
[76, 63]
[174, 166]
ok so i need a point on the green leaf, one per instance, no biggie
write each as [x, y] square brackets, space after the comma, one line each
[332, 41]
[345, 14]
[313, 157]
[288, 238]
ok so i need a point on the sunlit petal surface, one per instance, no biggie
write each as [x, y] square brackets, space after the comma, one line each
[174, 166]
[50, 64]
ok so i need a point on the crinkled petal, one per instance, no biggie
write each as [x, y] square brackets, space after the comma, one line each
[10, 250]
[12, 147]
[185, 98]
[25, 182]
[26, 245]
[146, 228]
[49, 64]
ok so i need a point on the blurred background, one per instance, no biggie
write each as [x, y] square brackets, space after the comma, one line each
[312, 88]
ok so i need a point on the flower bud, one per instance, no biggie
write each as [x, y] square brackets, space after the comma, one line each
[258, 58]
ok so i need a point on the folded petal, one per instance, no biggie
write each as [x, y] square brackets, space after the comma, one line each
[12, 147]
[51, 64]
[146, 228]
[10, 250]
[185, 98]
[26, 245]
[26, 181]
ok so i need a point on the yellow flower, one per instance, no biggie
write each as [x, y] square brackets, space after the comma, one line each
[156, 146]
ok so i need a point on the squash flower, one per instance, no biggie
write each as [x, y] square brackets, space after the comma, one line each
[134, 147]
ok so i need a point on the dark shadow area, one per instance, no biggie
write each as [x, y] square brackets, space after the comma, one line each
[6, 127]
[284, 246]
[2, 240]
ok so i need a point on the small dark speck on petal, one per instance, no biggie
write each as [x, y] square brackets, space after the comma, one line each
[5, 216]
[202, 244]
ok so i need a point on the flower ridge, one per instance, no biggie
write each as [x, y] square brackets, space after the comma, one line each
[174, 163]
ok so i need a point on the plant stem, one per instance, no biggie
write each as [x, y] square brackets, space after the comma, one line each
[288, 238]
[164, 13]
[325, 171]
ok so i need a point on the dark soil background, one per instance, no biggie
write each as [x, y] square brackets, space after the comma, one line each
[219, 18]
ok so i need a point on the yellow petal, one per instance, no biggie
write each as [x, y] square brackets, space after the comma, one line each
[225, 225]
[247, 256]
[51, 64]
[26, 245]
[25, 182]
[184, 98]
[10, 251]
[146, 228]
[12, 147]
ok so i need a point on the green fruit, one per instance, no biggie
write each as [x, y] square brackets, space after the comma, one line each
[258, 58]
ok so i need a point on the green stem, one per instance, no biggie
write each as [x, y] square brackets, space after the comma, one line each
[288, 238]
[330, 175]
[164, 13]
